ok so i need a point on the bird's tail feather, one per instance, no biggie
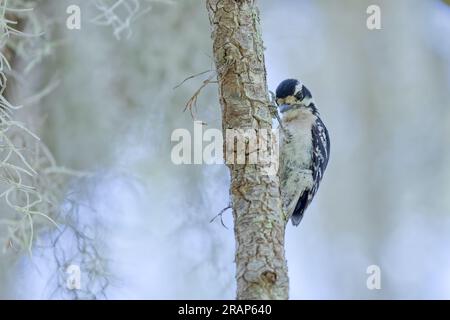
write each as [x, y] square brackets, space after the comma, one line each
[300, 208]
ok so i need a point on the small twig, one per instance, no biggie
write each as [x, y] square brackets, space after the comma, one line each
[191, 77]
[274, 109]
[221, 216]
[192, 102]
[275, 113]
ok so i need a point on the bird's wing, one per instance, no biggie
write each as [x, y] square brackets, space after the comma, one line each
[320, 152]
[320, 156]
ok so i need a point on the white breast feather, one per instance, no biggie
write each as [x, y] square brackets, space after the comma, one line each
[296, 157]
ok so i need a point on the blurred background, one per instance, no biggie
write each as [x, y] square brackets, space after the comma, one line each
[102, 100]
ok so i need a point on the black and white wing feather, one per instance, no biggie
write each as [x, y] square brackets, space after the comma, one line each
[320, 153]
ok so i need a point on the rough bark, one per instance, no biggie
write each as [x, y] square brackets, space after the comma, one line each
[258, 221]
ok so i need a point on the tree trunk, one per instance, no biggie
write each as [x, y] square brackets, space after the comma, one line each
[261, 270]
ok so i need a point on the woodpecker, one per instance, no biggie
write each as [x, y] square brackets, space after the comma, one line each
[304, 149]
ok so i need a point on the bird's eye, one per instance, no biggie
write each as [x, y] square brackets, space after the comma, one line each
[299, 96]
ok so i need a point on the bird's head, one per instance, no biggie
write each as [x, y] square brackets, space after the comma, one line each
[292, 92]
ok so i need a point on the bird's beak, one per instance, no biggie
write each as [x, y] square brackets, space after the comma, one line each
[284, 107]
